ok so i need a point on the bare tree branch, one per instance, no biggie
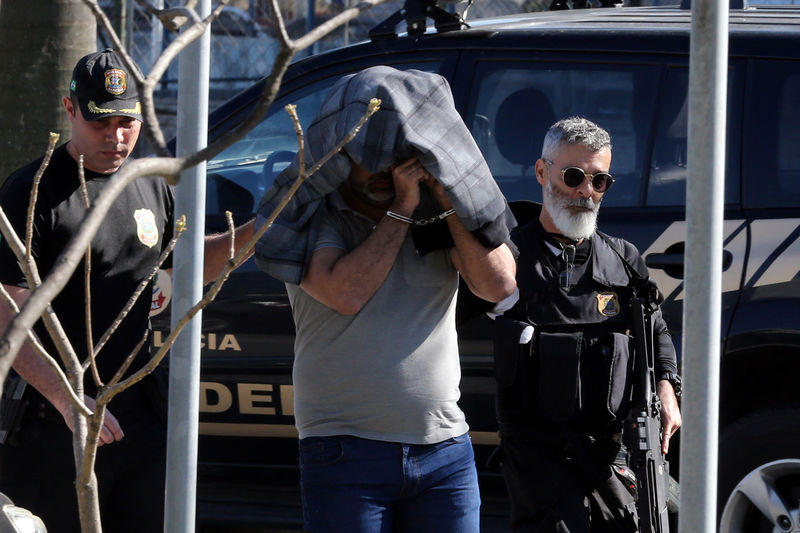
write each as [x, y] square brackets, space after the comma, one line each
[87, 285]
[125, 366]
[232, 231]
[35, 195]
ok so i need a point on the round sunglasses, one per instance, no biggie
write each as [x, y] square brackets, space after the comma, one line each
[574, 177]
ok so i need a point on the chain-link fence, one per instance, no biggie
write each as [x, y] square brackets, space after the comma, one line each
[243, 43]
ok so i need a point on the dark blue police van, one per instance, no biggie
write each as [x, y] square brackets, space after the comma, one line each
[625, 68]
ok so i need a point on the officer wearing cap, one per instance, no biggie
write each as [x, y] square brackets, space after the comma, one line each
[562, 358]
[36, 464]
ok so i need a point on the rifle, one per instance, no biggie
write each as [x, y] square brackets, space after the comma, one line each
[13, 404]
[642, 430]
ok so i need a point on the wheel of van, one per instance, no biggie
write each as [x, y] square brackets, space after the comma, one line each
[759, 474]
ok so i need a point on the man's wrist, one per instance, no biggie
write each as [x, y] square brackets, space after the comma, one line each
[402, 210]
[674, 379]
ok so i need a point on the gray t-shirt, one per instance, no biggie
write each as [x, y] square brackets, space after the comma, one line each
[390, 372]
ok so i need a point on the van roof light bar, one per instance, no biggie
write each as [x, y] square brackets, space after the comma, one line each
[415, 14]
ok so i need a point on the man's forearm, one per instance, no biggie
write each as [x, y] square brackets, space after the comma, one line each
[347, 283]
[42, 377]
[217, 250]
[490, 274]
[28, 364]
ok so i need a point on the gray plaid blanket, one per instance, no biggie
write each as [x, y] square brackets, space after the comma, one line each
[417, 117]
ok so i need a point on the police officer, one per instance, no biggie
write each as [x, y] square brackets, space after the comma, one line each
[563, 362]
[36, 463]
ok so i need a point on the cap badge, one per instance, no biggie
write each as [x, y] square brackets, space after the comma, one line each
[116, 82]
[146, 228]
[608, 303]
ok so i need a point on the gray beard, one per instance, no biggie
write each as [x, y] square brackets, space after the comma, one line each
[574, 226]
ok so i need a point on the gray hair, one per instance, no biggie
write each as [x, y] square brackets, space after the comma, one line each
[574, 130]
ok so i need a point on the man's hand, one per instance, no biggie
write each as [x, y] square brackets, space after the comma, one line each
[489, 274]
[111, 430]
[670, 413]
[406, 177]
[437, 190]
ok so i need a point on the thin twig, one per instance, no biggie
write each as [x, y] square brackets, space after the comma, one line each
[95, 426]
[128, 360]
[87, 282]
[232, 231]
[298, 131]
[282, 34]
[35, 194]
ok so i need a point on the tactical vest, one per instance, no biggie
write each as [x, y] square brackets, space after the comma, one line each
[577, 368]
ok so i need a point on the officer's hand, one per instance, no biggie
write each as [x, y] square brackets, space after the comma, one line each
[111, 430]
[670, 413]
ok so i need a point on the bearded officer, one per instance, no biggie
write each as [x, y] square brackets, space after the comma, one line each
[563, 363]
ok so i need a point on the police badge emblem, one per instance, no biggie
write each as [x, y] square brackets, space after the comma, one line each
[146, 228]
[116, 82]
[608, 303]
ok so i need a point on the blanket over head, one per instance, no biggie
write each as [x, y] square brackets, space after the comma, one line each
[417, 118]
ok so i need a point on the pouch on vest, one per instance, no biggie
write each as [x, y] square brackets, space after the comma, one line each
[508, 351]
[606, 378]
[559, 363]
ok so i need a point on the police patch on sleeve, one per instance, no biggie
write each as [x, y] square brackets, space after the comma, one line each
[162, 292]
[608, 303]
[146, 228]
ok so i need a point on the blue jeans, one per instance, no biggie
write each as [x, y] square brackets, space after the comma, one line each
[355, 485]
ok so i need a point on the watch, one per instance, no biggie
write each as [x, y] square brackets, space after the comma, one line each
[673, 378]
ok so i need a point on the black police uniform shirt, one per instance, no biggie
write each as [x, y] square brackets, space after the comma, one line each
[123, 252]
[577, 302]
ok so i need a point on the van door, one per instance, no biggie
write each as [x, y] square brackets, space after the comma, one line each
[759, 415]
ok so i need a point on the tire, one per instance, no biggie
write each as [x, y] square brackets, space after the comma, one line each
[759, 473]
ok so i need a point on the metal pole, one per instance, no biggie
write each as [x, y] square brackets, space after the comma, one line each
[708, 72]
[184, 383]
[311, 23]
[156, 36]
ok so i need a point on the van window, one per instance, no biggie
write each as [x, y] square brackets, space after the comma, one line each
[514, 103]
[771, 153]
[238, 176]
[668, 168]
